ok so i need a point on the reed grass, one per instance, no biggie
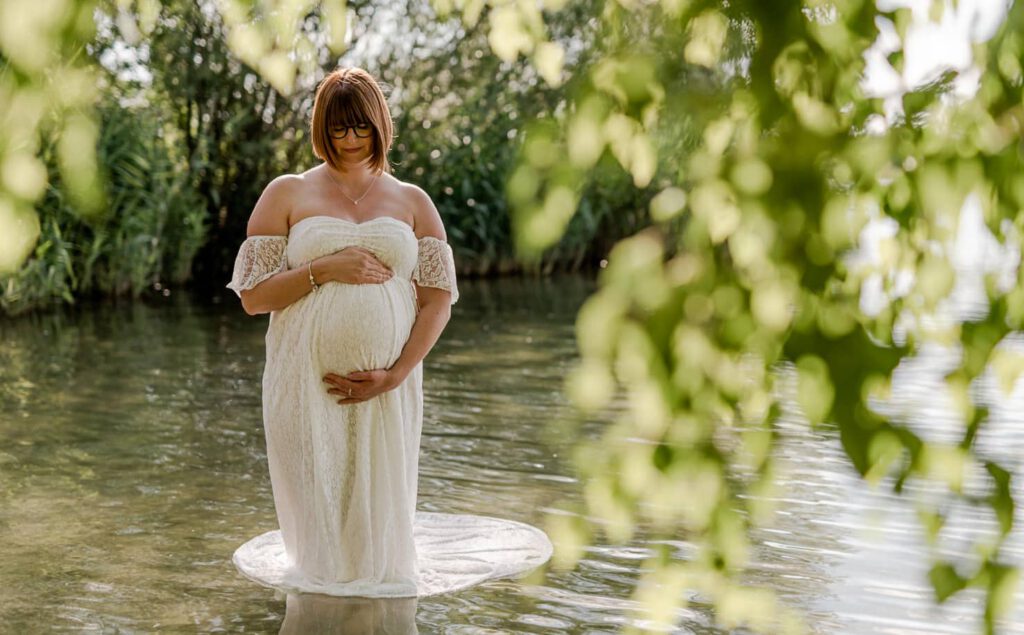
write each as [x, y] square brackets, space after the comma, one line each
[147, 236]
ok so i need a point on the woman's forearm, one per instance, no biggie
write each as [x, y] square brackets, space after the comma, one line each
[430, 322]
[280, 290]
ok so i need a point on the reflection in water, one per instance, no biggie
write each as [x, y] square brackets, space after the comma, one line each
[132, 464]
[308, 613]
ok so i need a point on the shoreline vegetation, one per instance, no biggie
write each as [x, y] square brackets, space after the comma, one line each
[149, 247]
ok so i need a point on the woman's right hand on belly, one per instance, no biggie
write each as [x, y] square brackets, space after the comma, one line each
[353, 265]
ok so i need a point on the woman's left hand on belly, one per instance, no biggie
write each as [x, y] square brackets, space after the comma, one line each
[360, 385]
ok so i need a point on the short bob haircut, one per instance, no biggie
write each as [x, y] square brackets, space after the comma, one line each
[345, 97]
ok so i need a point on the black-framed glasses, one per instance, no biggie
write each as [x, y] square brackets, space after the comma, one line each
[361, 130]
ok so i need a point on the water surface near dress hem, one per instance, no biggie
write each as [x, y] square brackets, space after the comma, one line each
[454, 551]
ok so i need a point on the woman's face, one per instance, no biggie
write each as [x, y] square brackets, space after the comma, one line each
[353, 143]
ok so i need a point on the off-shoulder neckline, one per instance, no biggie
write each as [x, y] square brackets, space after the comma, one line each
[351, 222]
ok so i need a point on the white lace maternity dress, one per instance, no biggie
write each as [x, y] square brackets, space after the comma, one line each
[344, 476]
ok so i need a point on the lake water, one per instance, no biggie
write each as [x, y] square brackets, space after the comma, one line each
[132, 464]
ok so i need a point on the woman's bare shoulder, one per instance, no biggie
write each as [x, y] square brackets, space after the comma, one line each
[427, 218]
[403, 188]
[270, 215]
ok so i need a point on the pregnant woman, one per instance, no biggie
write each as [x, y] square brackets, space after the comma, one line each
[355, 270]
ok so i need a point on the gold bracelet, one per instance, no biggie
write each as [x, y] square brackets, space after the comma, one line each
[312, 282]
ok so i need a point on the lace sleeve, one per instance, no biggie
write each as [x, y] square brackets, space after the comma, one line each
[258, 258]
[435, 266]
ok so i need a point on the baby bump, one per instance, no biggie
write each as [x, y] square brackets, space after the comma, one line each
[361, 326]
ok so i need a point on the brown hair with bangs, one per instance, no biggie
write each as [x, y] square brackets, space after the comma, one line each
[345, 97]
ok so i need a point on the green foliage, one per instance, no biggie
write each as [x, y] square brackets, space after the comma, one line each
[748, 279]
[147, 234]
[233, 130]
[46, 83]
[461, 114]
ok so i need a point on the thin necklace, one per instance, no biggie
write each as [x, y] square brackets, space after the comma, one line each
[355, 201]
